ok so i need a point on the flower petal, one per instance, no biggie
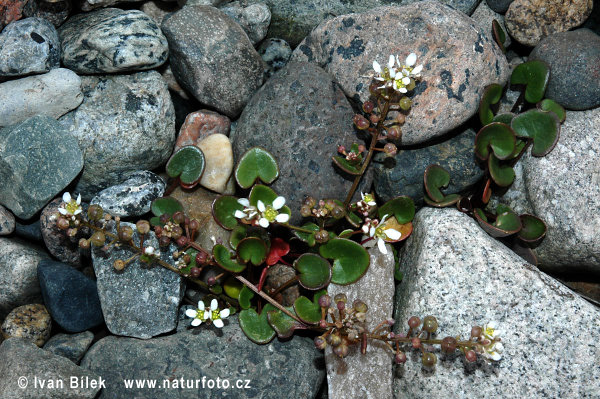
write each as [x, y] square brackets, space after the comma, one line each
[214, 305]
[77, 212]
[376, 67]
[261, 206]
[191, 313]
[402, 90]
[495, 356]
[224, 313]
[79, 199]
[263, 222]
[392, 73]
[239, 214]
[499, 347]
[218, 323]
[372, 231]
[282, 218]
[383, 219]
[278, 202]
[406, 80]
[196, 322]
[411, 59]
[417, 70]
[392, 234]
[243, 201]
[201, 305]
[381, 246]
[62, 211]
[66, 197]
[391, 62]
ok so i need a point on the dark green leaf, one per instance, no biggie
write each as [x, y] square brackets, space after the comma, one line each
[160, 206]
[553, 106]
[447, 201]
[347, 166]
[309, 312]
[252, 249]
[283, 324]
[542, 127]
[497, 136]
[435, 177]
[403, 208]
[223, 258]
[506, 118]
[351, 260]
[187, 163]
[534, 229]
[499, 35]
[503, 175]
[308, 238]
[314, 271]
[246, 294]
[534, 74]
[256, 164]
[223, 210]
[255, 326]
[491, 95]
[237, 234]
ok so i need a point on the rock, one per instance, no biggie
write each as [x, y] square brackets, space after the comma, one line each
[23, 362]
[177, 92]
[10, 10]
[308, 117]
[197, 204]
[529, 21]
[89, 5]
[199, 125]
[564, 190]
[29, 322]
[28, 46]
[484, 15]
[574, 59]
[449, 92]
[253, 18]
[140, 301]
[593, 21]
[29, 231]
[277, 275]
[18, 274]
[218, 157]
[275, 53]
[71, 346]
[53, 94]
[126, 123]
[39, 158]
[403, 174]
[58, 243]
[70, 296]
[516, 195]
[184, 322]
[212, 57]
[458, 273]
[55, 12]
[157, 10]
[132, 197]
[499, 6]
[112, 40]
[352, 377]
[465, 6]
[7, 222]
[293, 366]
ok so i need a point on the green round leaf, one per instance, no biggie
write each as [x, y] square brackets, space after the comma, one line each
[491, 95]
[347, 166]
[351, 260]
[308, 238]
[223, 258]
[434, 178]
[255, 326]
[534, 74]
[232, 287]
[447, 201]
[403, 208]
[503, 175]
[252, 249]
[314, 271]
[283, 324]
[507, 222]
[309, 312]
[353, 219]
[160, 206]
[256, 164]
[534, 229]
[346, 233]
[497, 136]
[223, 210]
[506, 118]
[238, 233]
[542, 127]
[187, 163]
[552, 106]
[246, 294]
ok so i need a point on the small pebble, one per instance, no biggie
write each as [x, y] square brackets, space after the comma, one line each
[30, 322]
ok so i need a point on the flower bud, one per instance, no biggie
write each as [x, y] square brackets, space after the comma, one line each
[119, 264]
[95, 212]
[178, 217]
[84, 244]
[374, 118]
[62, 223]
[334, 339]
[320, 343]
[416, 343]
[476, 332]
[97, 239]
[164, 241]
[340, 297]
[360, 306]
[405, 103]
[430, 324]
[414, 322]
[400, 358]
[125, 233]
[429, 359]
[390, 149]
[400, 118]
[310, 201]
[341, 350]
[471, 356]
[394, 133]
[361, 122]
[368, 106]
[176, 232]
[195, 272]
[143, 227]
[325, 301]
[164, 218]
[449, 345]
[305, 211]
[194, 224]
[182, 241]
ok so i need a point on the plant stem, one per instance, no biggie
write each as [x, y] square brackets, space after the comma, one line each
[289, 226]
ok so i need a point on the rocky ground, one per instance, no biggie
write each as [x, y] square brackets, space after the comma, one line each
[95, 96]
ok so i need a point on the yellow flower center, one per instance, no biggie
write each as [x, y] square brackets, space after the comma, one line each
[270, 213]
[380, 232]
[368, 198]
[200, 314]
[489, 332]
[216, 314]
[71, 207]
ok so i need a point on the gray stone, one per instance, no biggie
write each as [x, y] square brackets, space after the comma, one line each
[449, 91]
[354, 375]
[484, 16]
[458, 273]
[30, 322]
[38, 159]
[291, 369]
[574, 59]
[89, 5]
[132, 197]
[499, 6]
[25, 363]
[71, 346]
[275, 53]
[53, 94]
[112, 40]
[126, 123]
[212, 57]
[157, 9]
[183, 322]
[141, 301]
[403, 174]
[253, 18]
[7, 222]
[30, 231]
[564, 190]
[18, 275]
[29, 46]
[302, 116]
[55, 12]
[465, 6]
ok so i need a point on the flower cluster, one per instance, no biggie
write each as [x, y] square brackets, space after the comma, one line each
[377, 230]
[396, 75]
[491, 345]
[70, 206]
[213, 313]
[262, 214]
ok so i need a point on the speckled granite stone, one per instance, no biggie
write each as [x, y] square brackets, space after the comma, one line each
[499, 6]
[71, 346]
[253, 18]
[29, 322]
[484, 15]
[291, 369]
[564, 190]
[7, 221]
[455, 271]
[459, 59]
[369, 375]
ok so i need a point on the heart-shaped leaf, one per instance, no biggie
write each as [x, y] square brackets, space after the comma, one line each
[314, 272]
[308, 238]
[542, 127]
[223, 210]
[187, 163]
[505, 118]
[255, 326]
[347, 166]
[552, 106]
[238, 233]
[160, 206]
[503, 175]
[403, 208]
[405, 229]
[252, 249]
[507, 222]
[491, 95]
[309, 312]
[256, 164]
[499, 35]
[534, 74]
[351, 260]
[223, 258]
[533, 231]
[246, 294]
[232, 287]
[496, 136]
[448, 200]
[435, 178]
[283, 324]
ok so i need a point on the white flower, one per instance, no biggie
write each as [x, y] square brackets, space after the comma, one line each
[396, 74]
[71, 207]
[217, 315]
[263, 214]
[493, 351]
[149, 251]
[378, 231]
[490, 330]
[199, 315]
[368, 199]
[494, 348]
